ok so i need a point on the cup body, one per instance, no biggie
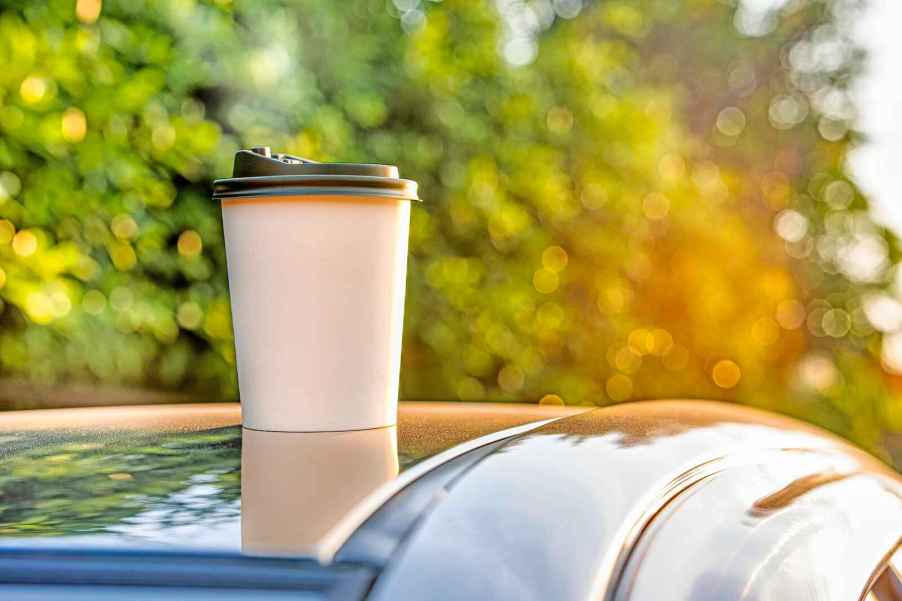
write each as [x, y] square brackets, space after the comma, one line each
[317, 290]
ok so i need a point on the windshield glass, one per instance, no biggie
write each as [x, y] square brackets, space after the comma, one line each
[171, 480]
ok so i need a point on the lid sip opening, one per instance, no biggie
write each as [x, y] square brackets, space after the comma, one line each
[260, 172]
[250, 163]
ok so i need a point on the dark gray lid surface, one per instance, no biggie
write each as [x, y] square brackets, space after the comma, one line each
[258, 172]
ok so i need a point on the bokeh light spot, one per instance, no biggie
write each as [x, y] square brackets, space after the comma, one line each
[124, 227]
[765, 331]
[836, 323]
[742, 79]
[662, 342]
[39, 307]
[470, 389]
[122, 298]
[863, 257]
[791, 225]
[60, 302]
[817, 372]
[2, 278]
[10, 185]
[190, 243]
[545, 281]
[787, 111]
[593, 196]
[883, 312]
[726, 374]
[555, 258]
[642, 341]
[88, 11]
[519, 51]
[93, 302]
[655, 206]
[477, 361]
[163, 137]
[550, 316]
[559, 120]
[74, 125]
[627, 360]
[831, 129]
[123, 256]
[568, 9]
[613, 299]
[551, 399]
[677, 358]
[731, 121]
[86, 269]
[33, 89]
[672, 167]
[25, 243]
[511, 378]
[790, 314]
[166, 330]
[839, 194]
[190, 315]
[268, 65]
[619, 387]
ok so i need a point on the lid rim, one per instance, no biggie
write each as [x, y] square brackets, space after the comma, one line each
[310, 191]
[305, 185]
[313, 177]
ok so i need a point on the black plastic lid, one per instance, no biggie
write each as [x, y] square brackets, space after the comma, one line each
[259, 172]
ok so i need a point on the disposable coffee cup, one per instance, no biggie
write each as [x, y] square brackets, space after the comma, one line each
[317, 263]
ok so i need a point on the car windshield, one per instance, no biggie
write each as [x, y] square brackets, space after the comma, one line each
[168, 477]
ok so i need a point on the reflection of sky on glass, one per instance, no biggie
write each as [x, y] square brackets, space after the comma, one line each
[195, 516]
[220, 531]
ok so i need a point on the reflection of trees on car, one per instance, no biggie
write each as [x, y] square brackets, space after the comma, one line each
[90, 483]
[623, 200]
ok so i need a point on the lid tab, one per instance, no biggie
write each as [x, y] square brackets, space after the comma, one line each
[259, 161]
[260, 172]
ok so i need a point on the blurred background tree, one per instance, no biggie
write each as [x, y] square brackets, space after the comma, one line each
[624, 199]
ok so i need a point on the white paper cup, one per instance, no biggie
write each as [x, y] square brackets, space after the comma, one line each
[317, 277]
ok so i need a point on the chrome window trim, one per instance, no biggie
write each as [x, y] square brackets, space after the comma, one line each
[133, 570]
[886, 581]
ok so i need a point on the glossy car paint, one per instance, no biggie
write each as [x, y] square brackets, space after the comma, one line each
[576, 510]
[820, 536]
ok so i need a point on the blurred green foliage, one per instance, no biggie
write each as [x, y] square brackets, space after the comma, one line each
[84, 484]
[624, 199]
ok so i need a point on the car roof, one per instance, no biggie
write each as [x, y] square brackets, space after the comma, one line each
[475, 501]
[607, 505]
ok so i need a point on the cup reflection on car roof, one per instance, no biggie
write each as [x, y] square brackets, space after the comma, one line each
[295, 486]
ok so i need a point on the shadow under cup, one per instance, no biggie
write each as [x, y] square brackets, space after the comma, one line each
[317, 265]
